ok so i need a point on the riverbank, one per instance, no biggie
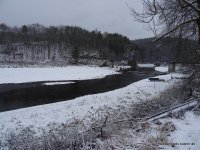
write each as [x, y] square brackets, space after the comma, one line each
[39, 117]
[21, 75]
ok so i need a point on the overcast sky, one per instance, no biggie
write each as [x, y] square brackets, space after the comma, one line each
[104, 15]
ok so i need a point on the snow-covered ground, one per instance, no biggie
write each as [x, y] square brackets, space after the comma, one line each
[40, 116]
[187, 133]
[57, 83]
[167, 134]
[162, 69]
[19, 75]
[146, 65]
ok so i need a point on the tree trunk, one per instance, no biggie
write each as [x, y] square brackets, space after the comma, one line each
[198, 23]
[49, 51]
[198, 34]
[13, 52]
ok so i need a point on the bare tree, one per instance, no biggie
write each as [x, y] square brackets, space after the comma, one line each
[171, 17]
[179, 18]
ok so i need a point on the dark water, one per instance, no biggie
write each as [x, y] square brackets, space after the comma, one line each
[15, 96]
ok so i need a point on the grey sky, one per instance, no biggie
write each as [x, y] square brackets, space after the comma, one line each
[104, 15]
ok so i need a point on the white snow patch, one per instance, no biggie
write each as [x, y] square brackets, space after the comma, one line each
[146, 65]
[20, 75]
[57, 83]
[162, 68]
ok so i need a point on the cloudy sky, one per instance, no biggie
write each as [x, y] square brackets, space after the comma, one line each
[104, 15]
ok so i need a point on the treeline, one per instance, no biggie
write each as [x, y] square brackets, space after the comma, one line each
[168, 49]
[37, 41]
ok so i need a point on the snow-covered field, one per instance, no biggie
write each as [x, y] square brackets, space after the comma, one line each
[187, 133]
[19, 75]
[40, 116]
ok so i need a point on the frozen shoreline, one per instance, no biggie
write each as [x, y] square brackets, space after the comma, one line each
[20, 75]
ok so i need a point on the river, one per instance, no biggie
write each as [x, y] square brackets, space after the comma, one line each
[22, 95]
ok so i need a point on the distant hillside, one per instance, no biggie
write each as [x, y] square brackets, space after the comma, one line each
[69, 44]
[167, 49]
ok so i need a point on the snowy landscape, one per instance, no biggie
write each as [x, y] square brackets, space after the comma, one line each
[21, 75]
[40, 118]
[100, 75]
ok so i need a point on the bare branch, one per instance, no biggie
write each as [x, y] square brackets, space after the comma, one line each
[175, 28]
[191, 4]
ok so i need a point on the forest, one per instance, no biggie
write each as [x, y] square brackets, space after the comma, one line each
[180, 50]
[72, 45]
[36, 42]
